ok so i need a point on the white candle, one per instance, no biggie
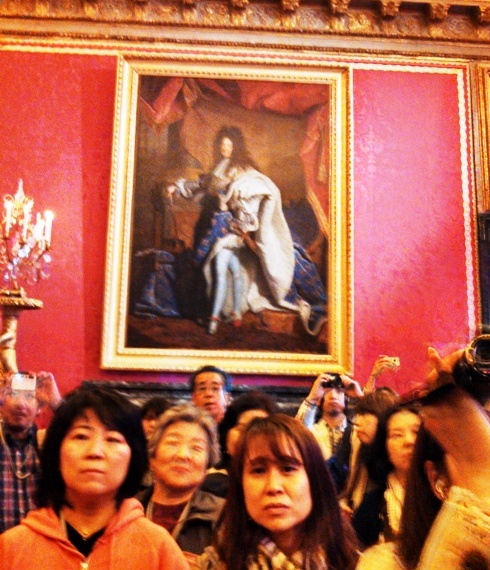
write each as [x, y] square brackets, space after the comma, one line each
[20, 187]
[27, 217]
[39, 228]
[8, 215]
[48, 216]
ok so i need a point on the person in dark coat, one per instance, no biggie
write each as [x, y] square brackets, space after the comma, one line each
[182, 448]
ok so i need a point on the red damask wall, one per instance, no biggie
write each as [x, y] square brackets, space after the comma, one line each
[413, 272]
[410, 282]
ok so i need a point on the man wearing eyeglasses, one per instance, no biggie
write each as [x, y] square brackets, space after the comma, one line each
[210, 387]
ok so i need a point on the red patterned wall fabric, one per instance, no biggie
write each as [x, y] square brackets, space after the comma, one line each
[413, 212]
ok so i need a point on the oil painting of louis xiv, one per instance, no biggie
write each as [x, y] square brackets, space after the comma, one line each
[231, 218]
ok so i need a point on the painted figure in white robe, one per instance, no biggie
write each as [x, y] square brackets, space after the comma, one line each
[247, 253]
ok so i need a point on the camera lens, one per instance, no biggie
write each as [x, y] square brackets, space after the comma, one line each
[480, 348]
[472, 371]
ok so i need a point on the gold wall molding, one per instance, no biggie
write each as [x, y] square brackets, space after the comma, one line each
[482, 142]
[148, 20]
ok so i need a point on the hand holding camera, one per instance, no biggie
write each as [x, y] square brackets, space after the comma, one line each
[17, 382]
[468, 368]
[23, 382]
[47, 390]
[384, 362]
[19, 385]
[318, 388]
[336, 381]
[40, 386]
[453, 414]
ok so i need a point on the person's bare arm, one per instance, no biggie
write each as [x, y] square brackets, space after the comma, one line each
[460, 425]
[381, 364]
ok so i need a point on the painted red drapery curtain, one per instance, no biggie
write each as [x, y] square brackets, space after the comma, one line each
[166, 100]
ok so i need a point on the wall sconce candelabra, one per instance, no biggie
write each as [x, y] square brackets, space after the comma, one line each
[24, 258]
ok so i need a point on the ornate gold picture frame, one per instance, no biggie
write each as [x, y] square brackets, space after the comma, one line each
[483, 174]
[271, 223]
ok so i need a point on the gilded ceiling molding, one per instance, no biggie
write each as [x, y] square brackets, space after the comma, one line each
[137, 11]
[484, 14]
[389, 8]
[150, 20]
[290, 5]
[239, 4]
[43, 7]
[438, 11]
[339, 6]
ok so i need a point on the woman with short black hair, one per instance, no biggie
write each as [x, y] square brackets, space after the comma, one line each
[93, 458]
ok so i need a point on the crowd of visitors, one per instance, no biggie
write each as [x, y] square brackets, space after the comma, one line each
[361, 478]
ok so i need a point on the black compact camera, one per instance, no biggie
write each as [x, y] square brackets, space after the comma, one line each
[472, 371]
[335, 382]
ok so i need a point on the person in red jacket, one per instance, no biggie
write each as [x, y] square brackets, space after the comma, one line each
[93, 458]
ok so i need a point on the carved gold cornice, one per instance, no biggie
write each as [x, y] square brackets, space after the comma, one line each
[439, 11]
[462, 21]
[389, 8]
[339, 6]
[484, 14]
